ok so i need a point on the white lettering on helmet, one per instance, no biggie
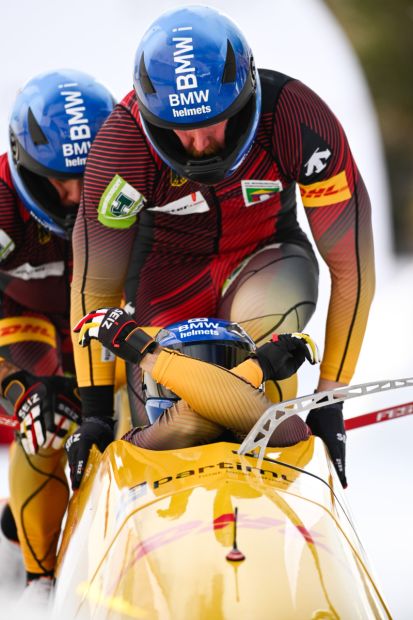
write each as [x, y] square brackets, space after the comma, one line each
[79, 130]
[186, 79]
[198, 324]
[77, 148]
[199, 332]
[74, 107]
[190, 98]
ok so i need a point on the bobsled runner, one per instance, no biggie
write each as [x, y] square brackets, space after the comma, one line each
[218, 531]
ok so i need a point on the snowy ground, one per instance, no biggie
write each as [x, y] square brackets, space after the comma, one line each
[301, 39]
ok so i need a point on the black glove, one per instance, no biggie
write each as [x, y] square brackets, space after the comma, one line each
[93, 430]
[283, 356]
[117, 331]
[328, 423]
[48, 409]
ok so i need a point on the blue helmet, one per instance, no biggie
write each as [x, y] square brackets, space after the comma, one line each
[211, 340]
[53, 122]
[194, 68]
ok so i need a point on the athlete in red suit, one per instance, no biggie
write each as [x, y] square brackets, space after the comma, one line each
[190, 208]
[54, 119]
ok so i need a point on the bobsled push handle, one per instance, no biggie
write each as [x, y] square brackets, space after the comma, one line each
[260, 434]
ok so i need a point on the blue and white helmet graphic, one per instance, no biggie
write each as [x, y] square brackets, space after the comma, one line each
[211, 340]
[193, 69]
[53, 122]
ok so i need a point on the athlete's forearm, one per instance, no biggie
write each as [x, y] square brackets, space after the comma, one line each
[249, 370]
[352, 285]
[214, 392]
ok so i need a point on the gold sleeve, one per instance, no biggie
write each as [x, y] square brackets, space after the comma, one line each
[250, 371]
[220, 395]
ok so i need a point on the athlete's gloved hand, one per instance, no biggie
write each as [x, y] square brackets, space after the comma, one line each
[48, 409]
[283, 355]
[93, 430]
[117, 331]
[328, 423]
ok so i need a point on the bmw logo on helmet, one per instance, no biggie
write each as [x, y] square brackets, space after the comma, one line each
[53, 122]
[194, 68]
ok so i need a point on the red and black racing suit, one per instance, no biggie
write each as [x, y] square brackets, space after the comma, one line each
[35, 271]
[173, 257]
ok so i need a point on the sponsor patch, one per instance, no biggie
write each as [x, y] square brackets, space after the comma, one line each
[26, 271]
[317, 162]
[44, 236]
[198, 327]
[24, 329]
[255, 192]
[328, 192]
[176, 180]
[316, 155]
[119, 205]
[193, 203]
[6, 245]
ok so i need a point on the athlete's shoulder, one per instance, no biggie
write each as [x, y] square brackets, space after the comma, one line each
[5, 175]
[122, 117]
[271, 79]
[130, 104]
[272, 83]
[275, 84]
[123, 126]
[129, 100]
[125, 120]
[10, 205]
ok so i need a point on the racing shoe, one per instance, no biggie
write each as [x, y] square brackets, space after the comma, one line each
[37, 597]
[12, 571]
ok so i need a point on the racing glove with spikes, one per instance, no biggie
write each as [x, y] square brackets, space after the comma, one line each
[48, 409]
[283, 355]
[117, 331]
[328, 424]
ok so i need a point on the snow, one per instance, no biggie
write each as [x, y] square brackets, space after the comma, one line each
[302, 39]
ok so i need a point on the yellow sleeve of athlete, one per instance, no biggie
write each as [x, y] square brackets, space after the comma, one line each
[220, 395]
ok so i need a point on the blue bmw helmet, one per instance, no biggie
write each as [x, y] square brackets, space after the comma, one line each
[53, 122]
[211, 340]
[194, 68]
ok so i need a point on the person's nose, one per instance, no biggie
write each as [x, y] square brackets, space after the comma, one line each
[73, 191]
[200, 140]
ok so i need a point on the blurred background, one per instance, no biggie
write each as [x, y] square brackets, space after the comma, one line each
[357, 55]
[381, 34]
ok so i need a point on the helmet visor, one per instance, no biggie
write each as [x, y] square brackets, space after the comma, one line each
[222, 354]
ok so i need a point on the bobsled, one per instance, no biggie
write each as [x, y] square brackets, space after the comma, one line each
[212, 532]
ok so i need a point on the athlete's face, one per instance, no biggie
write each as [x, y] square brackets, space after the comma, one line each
[69, 190]
[203, 142]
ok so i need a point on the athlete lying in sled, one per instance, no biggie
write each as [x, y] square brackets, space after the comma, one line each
[224, 391]
[200, 382]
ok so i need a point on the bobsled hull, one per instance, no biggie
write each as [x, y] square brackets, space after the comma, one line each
[148, 535]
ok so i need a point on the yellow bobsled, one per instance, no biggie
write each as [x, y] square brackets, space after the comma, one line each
[205, 533]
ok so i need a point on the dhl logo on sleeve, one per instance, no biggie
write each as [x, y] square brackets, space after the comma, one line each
[328, 192]
[26, 329]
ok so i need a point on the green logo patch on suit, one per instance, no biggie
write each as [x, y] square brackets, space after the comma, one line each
[257, 191]
[119, 205]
